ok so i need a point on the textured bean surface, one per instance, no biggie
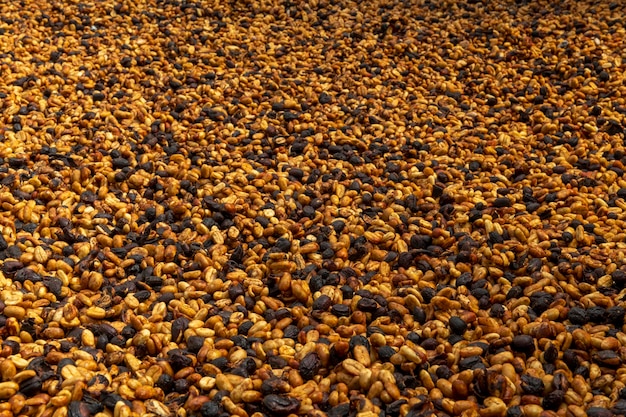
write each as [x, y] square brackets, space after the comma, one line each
[280, 208]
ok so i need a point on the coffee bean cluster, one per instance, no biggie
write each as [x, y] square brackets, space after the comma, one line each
[323, 208]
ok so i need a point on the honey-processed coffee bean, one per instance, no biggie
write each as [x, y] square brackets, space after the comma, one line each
[273, 208]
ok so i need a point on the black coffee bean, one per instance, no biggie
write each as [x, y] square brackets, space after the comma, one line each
[279, 405]
[181, 386]
[340, 410]
[276, 362]
[367, 304]
[165, 382]
[340, 310]
[31, 386]
[599, 412]
[615, 315]
[523, 343]
[309, 365]
[322, 303]
[457, 325]
[430, 344]
[597, 314]
[210, 409]
[551, 353]
[578, 315]
[195, 343]
[444, 372]
[553, 400]
[532, 385]
[540, 301]
[472, 362]
[502, 202]
[385, 353]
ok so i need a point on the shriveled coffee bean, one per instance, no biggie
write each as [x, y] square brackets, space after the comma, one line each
[577, 315]
[281, 405]
[553, 400]
[309, 366]
[532, 385]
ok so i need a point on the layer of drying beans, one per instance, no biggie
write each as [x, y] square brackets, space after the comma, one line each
[312, 208]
